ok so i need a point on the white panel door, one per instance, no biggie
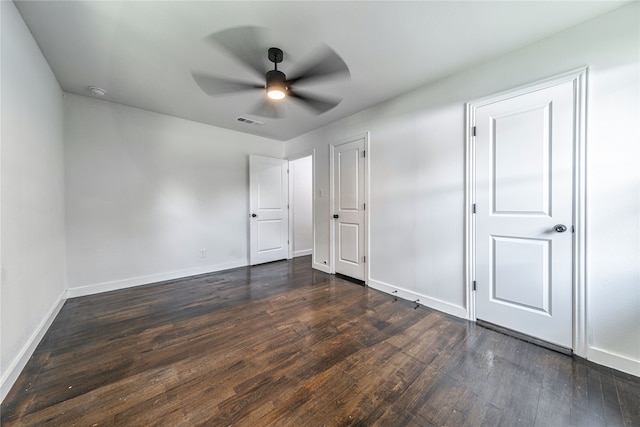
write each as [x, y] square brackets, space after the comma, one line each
[349, 208]
[524, 213]
[269, 218]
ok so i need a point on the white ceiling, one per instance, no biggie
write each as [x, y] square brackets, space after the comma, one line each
[142, 53]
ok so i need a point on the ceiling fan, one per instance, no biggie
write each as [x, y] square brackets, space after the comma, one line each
[242, 43]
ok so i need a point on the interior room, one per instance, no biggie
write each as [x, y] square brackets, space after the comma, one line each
[144, 163]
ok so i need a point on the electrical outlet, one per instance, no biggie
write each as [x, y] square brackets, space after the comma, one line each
[203, 253]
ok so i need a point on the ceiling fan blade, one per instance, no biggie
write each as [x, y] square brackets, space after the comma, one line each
[324, 63]
[268, 109]
[243, 43]
[218, 86]
[319, 105]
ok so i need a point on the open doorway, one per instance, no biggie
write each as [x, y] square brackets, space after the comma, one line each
[301, 206]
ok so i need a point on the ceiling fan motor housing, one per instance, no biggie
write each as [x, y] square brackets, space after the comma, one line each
[276, 76]
[276, 81]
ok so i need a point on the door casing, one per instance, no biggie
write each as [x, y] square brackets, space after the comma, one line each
[579, 79]
[332, 228]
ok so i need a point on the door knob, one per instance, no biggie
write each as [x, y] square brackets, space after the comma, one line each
[560, 228]
[336, 216]
[253, 215]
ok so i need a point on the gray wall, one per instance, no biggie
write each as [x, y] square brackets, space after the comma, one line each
[32, 197]
[145, 193]
[418, 174]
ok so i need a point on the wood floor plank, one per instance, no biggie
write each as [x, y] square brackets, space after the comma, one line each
[628, 395]
[611, 403]
[554, 405]
[281, 344]
[478, 412]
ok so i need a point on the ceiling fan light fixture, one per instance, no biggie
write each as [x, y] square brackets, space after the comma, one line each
[241, 43]
[276, 85]
[276, 93]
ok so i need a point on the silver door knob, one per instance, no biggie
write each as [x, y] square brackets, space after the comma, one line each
[560, 228]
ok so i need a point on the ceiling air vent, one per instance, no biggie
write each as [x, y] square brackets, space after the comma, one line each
[249, 121]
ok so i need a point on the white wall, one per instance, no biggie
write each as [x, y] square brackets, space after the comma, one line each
[417, 178]
[145, 193]
[301, 181]
[31, 196]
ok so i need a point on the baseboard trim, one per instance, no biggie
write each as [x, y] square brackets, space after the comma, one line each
[12, 373]
[97, 288]
[303, 253]
[425, 300]
[614, 361]
[322, 267]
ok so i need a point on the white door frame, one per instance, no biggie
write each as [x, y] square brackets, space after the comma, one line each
[579, 79]
[296, 156]
[332, 227]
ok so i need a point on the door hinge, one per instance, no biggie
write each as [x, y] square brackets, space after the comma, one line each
[474, 208]
[287, 206]
[474, 131]
[288, 242]
[573, 228]
[287, 170]
[364, 206]
[474, 285]
[364, 258]
[364, 153]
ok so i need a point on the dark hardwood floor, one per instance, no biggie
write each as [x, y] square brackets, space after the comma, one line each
[283, 345]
